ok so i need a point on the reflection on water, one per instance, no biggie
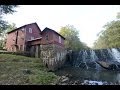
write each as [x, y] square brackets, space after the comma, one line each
[90, 74]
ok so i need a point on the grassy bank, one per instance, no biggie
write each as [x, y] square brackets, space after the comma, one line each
[21, 70]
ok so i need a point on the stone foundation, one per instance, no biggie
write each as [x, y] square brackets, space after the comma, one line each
[53, 56]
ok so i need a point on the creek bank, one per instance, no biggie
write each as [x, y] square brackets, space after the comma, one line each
[66, 80]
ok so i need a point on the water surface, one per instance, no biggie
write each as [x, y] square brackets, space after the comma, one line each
[90, 74]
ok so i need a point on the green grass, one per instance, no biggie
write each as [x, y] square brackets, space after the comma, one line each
[21, 70]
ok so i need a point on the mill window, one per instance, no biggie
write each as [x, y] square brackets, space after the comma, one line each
[47, 37]
[59, 39]
[30, 30]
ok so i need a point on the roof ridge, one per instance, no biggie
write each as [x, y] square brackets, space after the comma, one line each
[23, 26]
[53, 31]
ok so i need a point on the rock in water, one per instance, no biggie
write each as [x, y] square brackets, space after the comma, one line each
[103, 64]
[64, 79]
[109, 65]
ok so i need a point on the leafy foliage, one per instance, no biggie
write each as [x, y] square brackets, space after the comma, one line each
[110, 37]
[5, 9]
[3, 35]
[72, 41]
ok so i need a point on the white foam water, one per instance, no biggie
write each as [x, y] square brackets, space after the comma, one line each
[90, 82]
[116, 54]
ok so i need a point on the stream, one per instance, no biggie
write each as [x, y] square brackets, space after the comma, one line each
[80, 74]
[82, 67]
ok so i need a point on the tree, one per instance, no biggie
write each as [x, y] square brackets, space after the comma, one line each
[5, 9]
[118, 15]
[9, 28]
[3, 35]
[110, 37]
[72, 41]
[84, 46]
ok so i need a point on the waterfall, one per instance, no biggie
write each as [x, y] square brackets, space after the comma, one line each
[116, 54]
[103, 55]
[94, 58]
[84, 58]
[110, 54]
[88, 58]
[78, 59]
[80, 53]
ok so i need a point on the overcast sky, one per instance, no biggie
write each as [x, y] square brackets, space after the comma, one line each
[87, 19]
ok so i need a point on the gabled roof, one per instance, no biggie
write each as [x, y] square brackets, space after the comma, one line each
[52, 31]
[23, 26]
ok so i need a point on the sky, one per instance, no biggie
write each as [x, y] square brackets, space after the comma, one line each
[87, 19]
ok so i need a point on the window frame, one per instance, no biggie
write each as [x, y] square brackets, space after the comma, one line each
[30, 30]
[47, 37]
[60, 39]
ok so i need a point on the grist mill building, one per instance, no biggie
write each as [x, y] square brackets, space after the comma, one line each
[47, 44]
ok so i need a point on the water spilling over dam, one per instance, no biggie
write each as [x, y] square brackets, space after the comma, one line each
[90, 58]
[96, 65]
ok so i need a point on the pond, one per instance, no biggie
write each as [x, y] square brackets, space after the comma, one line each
[89, 74]
[83, 65]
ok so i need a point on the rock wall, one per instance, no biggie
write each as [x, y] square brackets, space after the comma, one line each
[53, 56]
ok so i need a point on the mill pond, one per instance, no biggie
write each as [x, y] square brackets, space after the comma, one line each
[81, 75]
[92, 67]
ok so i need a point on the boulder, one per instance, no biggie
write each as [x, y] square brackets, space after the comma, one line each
[103, 64]
[111, 65]
[69, 75]
[63, 80]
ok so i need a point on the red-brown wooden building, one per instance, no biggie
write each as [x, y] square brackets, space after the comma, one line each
[22, 38]
[47, 44]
